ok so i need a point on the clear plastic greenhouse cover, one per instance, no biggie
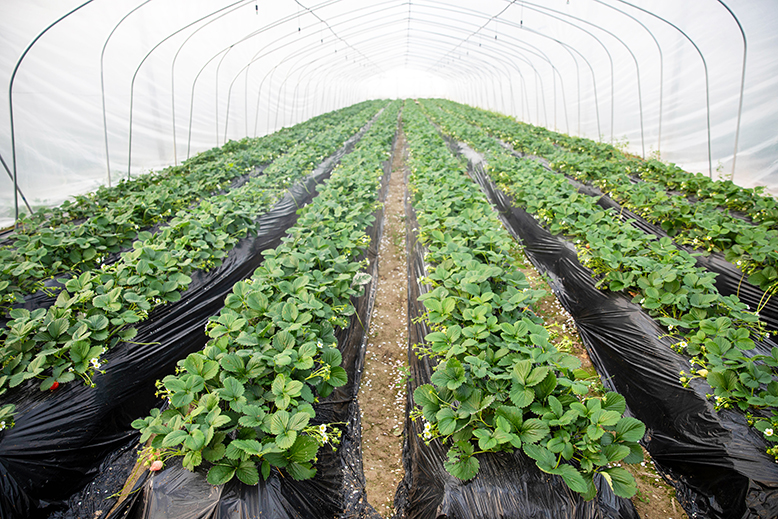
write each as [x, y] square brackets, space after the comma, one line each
[96, 90]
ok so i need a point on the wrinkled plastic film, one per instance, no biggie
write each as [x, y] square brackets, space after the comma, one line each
[60, 438]
[717, 463]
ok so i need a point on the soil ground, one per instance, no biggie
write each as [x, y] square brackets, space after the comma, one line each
[382, 392]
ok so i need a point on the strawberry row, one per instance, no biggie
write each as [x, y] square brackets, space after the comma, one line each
[499, 384]
[96, 310]
[245, 403]
[81, 235]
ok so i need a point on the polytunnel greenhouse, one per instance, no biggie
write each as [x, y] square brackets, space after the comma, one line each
[407, 259]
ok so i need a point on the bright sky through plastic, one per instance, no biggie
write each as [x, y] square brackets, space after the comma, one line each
[404, 83]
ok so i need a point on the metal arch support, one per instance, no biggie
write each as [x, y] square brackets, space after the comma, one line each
[742, 88]
[322, 5]
[320, 78]
[102, 88]
[454, 78]
[577, 75]
[295, 97]
[494, 92]
[490, 18]
[259, 94]
[11, 102]
[521, 27]
[216, 96]
[704, 66]
[226, 51]
[543, 55]
[637, 67]
[523, 83]
[604, 47]
[542, 90]
[286, 78]
[565, 47]
[173, 78]
[606, 51]
[524, 89]
[588, 33]
[538, 77]
[263, 80]
[381, 44]
[498, 60]
[561, 81]
[10, 175]
[308, 81]
[570, 49]
[312, 12]
[191, 101]
[271, 73]
[321, 65]
[538, 53]
[194, 81]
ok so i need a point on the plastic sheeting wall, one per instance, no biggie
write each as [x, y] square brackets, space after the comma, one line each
[629, 70]
[141, 52]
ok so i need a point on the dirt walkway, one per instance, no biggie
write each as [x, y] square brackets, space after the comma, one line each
[382, 392]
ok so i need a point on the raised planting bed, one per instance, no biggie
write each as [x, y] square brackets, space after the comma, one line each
[717, 464]
[277, 381]
[487, 383]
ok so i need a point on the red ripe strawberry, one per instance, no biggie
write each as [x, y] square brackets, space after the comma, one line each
[54, 386]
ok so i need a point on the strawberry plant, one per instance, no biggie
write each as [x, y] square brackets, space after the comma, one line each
[245, 404]
[97, 309]
[716, 331]
[499, 384]
[83, 235]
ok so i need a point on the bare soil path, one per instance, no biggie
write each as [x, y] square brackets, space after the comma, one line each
[382, 392]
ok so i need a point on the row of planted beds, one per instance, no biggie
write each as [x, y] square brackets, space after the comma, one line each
[230, 296]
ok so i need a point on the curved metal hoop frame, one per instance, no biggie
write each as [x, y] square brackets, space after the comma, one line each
[454, 46]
